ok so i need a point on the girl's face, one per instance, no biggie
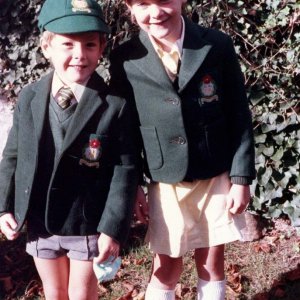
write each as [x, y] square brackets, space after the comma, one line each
[159, 18]
[74, 56]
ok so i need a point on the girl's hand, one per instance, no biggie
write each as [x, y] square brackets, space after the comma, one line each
[141, 206]
[8, 224]
[107, 247]
[238, 198]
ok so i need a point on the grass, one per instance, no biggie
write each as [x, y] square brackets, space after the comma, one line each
[265, 269]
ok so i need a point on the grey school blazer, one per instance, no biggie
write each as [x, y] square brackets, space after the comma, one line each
[83, 197]
[198, 126]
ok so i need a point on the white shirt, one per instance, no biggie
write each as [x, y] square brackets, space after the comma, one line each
[76, 88]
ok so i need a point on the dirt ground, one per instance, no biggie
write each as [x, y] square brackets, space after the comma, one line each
[265, 269]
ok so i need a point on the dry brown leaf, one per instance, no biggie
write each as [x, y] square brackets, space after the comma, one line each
[262, 247]
[126, 297]
[7, 282]
[140, 296]
[262, 296]
[139, 262]
[128, 285]
[279, 293]
[271, 239]
[294, 274]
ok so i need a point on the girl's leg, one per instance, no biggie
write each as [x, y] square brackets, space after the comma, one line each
[54, 274]
[82, 282]
[210, 268]
[166, 271]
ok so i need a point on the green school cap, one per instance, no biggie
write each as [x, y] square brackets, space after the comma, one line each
[71, 16]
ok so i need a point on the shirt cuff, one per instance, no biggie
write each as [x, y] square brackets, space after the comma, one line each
[241, 180]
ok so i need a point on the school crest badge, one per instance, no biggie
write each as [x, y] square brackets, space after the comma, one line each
[91, 152]
[80, 5]
[208, 90]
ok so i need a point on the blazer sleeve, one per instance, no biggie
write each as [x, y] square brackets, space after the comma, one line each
[8, 166]
[118, 211]
[239, 118]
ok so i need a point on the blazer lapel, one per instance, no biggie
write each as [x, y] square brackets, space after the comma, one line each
[87, 106]
[149, 63]
[40, 104]
[195, 49]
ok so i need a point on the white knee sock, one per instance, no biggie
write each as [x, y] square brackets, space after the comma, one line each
[154, 293]
[211, 290]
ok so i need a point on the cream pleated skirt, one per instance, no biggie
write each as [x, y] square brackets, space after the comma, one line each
[189, 215]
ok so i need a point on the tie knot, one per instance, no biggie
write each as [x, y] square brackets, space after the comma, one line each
[64, 98]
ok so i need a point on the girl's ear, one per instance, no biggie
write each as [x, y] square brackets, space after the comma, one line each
[45, 47]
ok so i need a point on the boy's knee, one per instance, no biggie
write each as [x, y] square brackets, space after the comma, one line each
[55, 293]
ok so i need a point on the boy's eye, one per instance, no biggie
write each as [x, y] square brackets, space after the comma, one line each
[67, 44]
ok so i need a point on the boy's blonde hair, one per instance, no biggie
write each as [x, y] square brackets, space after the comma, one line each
[47, 36]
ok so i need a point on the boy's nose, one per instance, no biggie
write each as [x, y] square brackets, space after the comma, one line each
[78, 51]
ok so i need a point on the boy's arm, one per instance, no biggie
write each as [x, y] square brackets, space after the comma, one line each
[107, 247]
[8, 167]
[118, 212]
[8, 225]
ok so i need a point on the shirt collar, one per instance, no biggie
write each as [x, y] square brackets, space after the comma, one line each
[76, 88]
[176, 47]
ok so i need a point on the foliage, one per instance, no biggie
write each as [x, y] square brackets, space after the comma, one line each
[267, 38]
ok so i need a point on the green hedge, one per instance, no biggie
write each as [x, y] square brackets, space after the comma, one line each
[267, 38]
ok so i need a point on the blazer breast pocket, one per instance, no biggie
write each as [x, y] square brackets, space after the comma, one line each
[152, 147]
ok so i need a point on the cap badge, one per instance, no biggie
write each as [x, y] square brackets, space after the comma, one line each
[91, 152]
[207, 90]
[80, 5]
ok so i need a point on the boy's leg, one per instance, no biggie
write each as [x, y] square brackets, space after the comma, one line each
[210, 268]
[82, 282]
[54, 274]
[165, 274]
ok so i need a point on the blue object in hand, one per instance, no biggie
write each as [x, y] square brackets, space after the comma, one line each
[108, 269]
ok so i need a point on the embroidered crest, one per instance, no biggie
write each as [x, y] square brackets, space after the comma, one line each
[92, 152]
[208, 90]
[80, 5]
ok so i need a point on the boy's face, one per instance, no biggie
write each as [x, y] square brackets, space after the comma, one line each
[74, 56]
[159, 18]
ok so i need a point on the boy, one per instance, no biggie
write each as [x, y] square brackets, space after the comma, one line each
[196, 129]
[69, 165]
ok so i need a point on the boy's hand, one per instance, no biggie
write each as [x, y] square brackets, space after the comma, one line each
[141, 206]
[238, 198]
[107, 247]
[8, 225]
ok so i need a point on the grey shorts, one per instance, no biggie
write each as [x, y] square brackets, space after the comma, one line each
[54, 246]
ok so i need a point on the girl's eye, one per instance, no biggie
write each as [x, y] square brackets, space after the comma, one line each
[91, 45]
[141, 4]
[164, 1]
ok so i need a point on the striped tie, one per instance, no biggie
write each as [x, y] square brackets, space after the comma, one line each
[64, 98]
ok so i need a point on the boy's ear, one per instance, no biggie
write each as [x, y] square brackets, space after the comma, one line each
[45, 47]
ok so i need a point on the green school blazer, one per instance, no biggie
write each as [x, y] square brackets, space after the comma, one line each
[89, 190]
[200, 125]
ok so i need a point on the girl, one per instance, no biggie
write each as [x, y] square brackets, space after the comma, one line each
[196, 131]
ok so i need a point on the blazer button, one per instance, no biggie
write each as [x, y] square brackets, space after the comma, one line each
[172, 101]
[27, 191]
[178, 140]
